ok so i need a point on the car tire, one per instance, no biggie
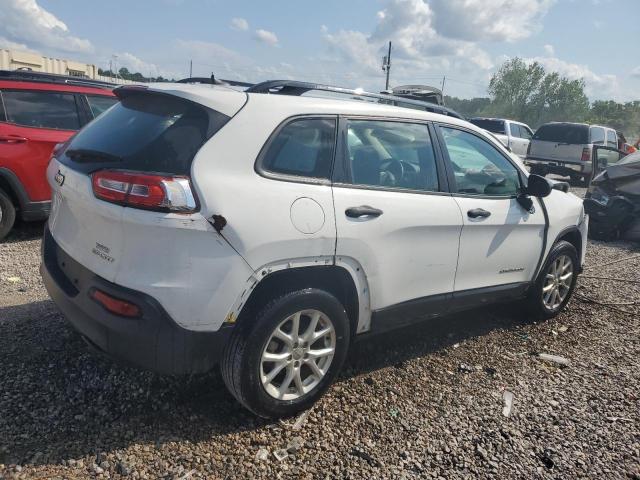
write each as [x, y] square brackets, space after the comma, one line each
[7, 214]
[543, 301]
[246, 367]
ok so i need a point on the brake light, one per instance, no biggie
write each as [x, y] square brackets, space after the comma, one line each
[115, 305]
[139, 190]
[586, 155]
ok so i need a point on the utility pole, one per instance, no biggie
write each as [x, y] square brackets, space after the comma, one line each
[190, 68]
[386, 66]
[444, 78]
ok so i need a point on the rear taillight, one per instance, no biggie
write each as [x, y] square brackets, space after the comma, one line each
[115, 305]
[586, 154]
[139, 190]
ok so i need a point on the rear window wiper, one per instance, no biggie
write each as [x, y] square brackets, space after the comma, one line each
[88, 155]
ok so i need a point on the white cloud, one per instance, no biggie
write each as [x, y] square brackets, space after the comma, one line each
[549, 50]
[239, 24]
[265, 36]
[495, 20]
[636, 72]
[26, 22]
[8, 44]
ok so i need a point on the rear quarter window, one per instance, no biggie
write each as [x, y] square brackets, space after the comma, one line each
[146, 132]
[303, 148]
[563, 133]
[53, 110]
[100, 103]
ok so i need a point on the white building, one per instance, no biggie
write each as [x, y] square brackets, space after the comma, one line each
[15, 59]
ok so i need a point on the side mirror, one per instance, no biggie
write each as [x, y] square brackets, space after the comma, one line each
[538, 186]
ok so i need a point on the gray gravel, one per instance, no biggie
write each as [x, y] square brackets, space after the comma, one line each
[420, 403]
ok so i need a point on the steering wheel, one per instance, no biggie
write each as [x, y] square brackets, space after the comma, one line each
[395, 168]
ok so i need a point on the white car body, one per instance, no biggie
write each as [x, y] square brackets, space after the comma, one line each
[424, 248]
[516, 135]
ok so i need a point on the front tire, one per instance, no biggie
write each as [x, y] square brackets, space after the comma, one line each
[555, 283]
[280, 361]
[7, 214]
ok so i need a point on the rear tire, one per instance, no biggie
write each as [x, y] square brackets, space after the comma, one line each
[260, 384]
[7, 214]
[554, 286]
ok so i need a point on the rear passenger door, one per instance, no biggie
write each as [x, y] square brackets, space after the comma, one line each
[35, 121]
[501, 242]
[394, 216]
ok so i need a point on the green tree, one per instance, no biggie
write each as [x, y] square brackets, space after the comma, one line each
[526, 92]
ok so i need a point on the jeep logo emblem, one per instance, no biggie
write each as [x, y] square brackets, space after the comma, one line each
[59, 178]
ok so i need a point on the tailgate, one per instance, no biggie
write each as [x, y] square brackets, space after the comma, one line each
[555, 151]
[85, 228]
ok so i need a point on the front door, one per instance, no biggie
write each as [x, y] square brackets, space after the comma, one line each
[392, 215]
[501, 242]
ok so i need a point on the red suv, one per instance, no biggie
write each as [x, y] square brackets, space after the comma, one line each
[38, 111]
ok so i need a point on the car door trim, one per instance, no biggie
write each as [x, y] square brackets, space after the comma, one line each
[427, 308]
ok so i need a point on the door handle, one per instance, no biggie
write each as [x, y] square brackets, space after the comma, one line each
[362, 211]
[12, 139]
[478, 212]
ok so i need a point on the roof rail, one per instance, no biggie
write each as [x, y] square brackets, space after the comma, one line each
[31, 76]
[215, 81]
[296, 88]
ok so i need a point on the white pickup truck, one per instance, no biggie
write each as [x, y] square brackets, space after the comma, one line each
[514, 135]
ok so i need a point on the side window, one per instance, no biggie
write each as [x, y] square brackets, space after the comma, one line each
[391, 154]
[42, 109]
[612, 139]
[525, 132]
[303, 147]
[597, 135]
[479, 168]
[100, 103]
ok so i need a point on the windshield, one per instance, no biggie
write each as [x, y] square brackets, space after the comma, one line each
[563, 133]
[493, 126]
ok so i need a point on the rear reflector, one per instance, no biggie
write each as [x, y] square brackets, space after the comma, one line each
[115, 305]
[586, 155]
[139, 190]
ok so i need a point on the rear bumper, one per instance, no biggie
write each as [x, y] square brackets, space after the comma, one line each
[152, 341]
[559, 167]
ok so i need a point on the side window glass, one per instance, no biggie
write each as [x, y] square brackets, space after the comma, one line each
[41, 109]
[525, 133]
[612, 139]
[100, 103]
[515, 130]
[597, 136]
[478, 167]
[303, 147]
[392, 155]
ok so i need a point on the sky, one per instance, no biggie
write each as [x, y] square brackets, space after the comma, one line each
[341, 42]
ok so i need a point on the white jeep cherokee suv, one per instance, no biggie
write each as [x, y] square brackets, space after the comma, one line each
[197, 224]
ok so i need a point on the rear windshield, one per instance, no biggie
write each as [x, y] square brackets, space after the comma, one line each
[563, 133]
[145, 132]
[493, 126]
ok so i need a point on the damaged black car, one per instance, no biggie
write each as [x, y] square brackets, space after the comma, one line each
[613, 198]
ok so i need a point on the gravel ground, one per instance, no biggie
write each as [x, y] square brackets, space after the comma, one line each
[420, 403]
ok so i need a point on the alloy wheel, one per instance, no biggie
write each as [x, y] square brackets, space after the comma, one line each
[557, 283]
[297, 355]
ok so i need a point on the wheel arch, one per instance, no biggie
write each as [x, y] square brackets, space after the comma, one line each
[573, 236]
[342, 277]
[11, 185]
